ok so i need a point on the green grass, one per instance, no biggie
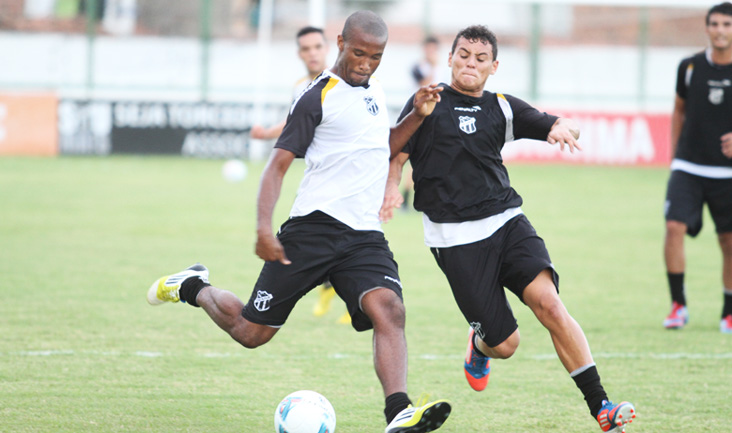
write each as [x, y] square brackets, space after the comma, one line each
[81, 239]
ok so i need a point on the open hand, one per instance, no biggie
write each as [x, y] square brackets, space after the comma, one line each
[426, 98]
[565, 132]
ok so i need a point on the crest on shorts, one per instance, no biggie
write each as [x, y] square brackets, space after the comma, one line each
[716, 95]
[477, 327]
[371, 106]
[261, 302]
[467, 124]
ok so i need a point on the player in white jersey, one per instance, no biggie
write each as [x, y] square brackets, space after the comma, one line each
[341, 128]
[312, 48]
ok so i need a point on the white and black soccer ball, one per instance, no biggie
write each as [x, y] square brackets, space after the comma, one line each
[304, 412]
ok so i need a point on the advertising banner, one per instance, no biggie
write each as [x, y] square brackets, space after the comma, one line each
[28, 124]
[204, 130]
[221, 130]
[605, 138]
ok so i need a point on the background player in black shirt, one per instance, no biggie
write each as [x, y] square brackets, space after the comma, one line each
[701, 171]
[474, 224]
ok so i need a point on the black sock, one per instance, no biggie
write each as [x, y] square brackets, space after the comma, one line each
[396, 403]
[676, 284]
[588, 382]
[189, 290]
[727, 308]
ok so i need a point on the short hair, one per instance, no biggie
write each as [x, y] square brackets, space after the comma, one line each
[430, 40]
[309, 29]
[366, 21]
[722, 8]
[478, 33]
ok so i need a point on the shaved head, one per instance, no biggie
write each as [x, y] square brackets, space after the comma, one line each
[368, 23]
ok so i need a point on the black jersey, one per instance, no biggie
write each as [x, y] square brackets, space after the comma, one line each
[707, 90]
[456, 158]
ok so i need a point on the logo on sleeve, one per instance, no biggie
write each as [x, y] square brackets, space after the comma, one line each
[371, 106]
[467, 124]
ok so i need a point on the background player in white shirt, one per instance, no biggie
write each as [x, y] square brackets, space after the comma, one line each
[312, 48]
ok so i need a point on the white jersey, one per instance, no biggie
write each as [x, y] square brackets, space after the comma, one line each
[343, 133]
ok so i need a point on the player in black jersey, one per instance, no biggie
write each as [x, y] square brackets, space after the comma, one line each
[701, 171]
[474, 225]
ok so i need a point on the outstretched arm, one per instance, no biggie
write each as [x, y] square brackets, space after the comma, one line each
[259, 132]
[565, 132]
[424, 103]
[392, 196]
[268, 247]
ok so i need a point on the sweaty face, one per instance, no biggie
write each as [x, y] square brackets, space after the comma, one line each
[472, 63]
[719, 31]
[359, 57]
[313, 51]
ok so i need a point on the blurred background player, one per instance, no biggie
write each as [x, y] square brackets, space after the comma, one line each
[701, 171]
[426, 71]
[312, 48]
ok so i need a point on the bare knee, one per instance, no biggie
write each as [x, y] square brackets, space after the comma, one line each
[546, 305]
[504, 350]
[550, 310]
[675, 230]
[252, 335]
[385, 309]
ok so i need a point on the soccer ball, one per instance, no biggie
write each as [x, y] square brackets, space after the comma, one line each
[304, 412]
[234, 170]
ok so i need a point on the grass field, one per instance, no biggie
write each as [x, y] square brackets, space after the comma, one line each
[81, 239]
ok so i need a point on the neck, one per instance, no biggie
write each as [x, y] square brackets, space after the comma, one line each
[336, 70]
[722, 56]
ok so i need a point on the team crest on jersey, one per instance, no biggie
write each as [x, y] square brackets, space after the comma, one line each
[716, 95]
[261, 302]
[467, 124]
[371, 105]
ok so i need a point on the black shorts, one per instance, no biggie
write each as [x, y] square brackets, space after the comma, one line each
[322, 248]
[512, 257]
[685, 197]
